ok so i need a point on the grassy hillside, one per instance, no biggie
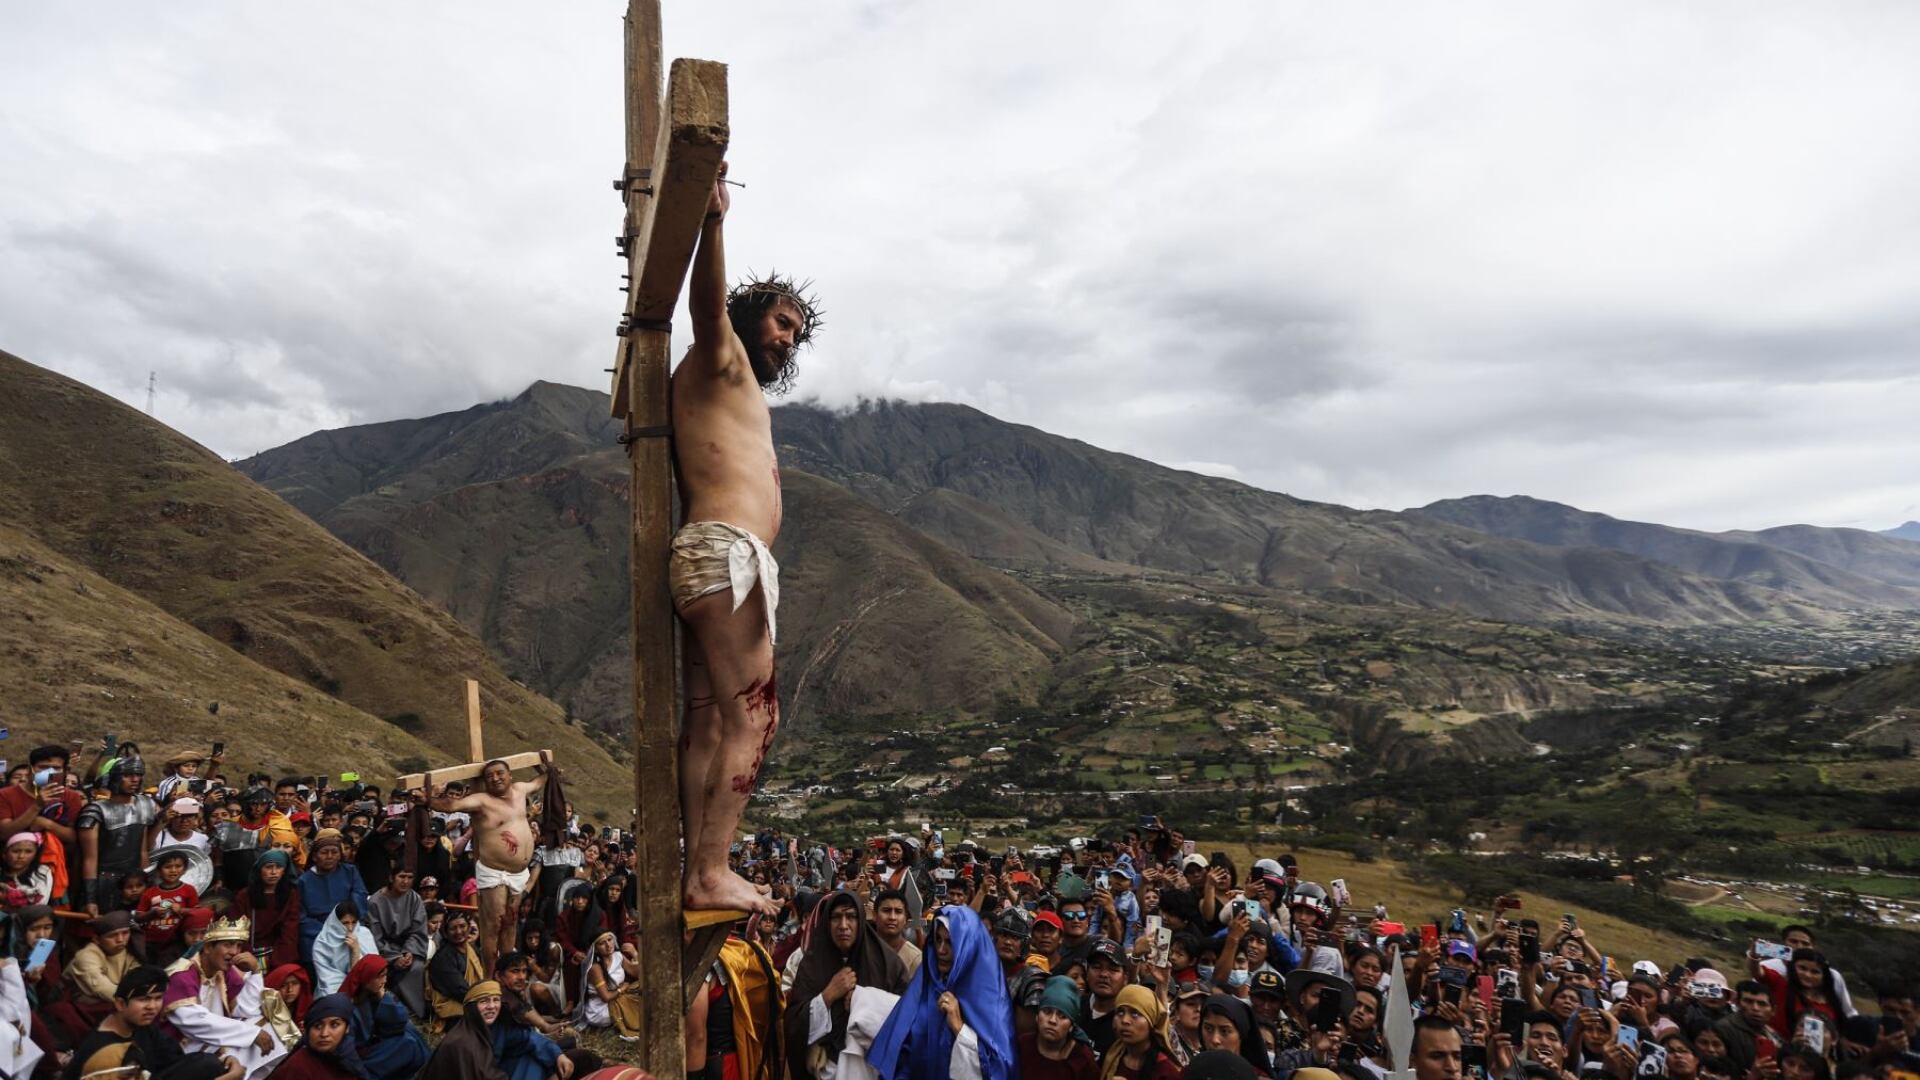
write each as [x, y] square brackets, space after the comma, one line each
[84, 658]
[119, 495]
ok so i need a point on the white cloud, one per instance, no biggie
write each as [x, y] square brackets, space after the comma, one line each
[1656, 260]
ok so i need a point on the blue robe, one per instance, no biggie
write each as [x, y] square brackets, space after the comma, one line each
[523, 1053]
[915, 1043]
[390, 1046]
[320, 894]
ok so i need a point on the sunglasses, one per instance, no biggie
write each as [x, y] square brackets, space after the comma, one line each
[1074, 916]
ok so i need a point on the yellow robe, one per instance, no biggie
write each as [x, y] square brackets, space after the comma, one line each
[753, 989]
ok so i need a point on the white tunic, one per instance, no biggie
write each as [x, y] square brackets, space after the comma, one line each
[18, 1052]
[210, 1024]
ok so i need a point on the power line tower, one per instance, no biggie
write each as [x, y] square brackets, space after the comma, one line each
[152, 376]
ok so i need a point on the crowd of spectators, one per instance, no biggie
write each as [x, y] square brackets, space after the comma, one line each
[195, 925]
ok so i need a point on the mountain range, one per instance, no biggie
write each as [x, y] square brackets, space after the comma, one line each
[1844, 568]
[1909, 531]
[914, 533]
[938, 562]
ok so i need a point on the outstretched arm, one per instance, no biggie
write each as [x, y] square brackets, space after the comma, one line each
[713, 335]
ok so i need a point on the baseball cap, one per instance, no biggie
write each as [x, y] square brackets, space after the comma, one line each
[1456, 947]
[1048, 918]
[184, 807]
[1194, 860]
[1646, 967]
[1269, 983]
[1109, 950]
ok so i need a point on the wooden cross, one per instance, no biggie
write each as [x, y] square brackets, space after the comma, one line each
[674, 150]
[476, 753]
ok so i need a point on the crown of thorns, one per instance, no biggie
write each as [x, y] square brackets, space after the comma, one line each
[760, 295]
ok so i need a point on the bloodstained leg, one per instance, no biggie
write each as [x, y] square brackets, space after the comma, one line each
[745, 715]
[699, 742]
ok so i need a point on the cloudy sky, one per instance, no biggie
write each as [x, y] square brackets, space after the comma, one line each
[1659, 260]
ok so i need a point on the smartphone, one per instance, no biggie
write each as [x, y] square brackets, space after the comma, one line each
[1103, 880]
[1483, 988]
[1457, 922]
[1326, 1014]
[1186, 848]
[1571, 923]
[1772, 950]
[1429, 936]
[1513, 1021]
[996, 864]
[1506, 983]
[1473, 1060]
[1529, 949]
[38, 957]
[1629, 1037]
[113, 743]
[1341, 897]
[1813, 1032]
[219, 748]
[939, 890]
[1162, 941]
[1218, 858]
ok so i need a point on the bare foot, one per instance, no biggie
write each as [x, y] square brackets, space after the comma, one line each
[726, 891]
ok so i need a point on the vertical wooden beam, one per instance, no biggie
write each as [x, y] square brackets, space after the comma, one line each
[476, 742]
[644, 71]
[656, 753]
[674, 150]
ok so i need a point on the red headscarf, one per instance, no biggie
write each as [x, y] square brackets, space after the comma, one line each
[277, 978]
[364, 971]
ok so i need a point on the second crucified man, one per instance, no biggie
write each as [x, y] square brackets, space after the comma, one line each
[724, 581]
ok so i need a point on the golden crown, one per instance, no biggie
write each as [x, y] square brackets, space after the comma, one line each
[240, 930]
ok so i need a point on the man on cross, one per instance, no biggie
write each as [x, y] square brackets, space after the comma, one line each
[724, 581]
[504, 849]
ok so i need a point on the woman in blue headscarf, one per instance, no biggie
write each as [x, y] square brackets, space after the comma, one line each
[955, 1019]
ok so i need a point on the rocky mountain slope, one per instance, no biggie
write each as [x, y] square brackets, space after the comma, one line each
[1843, 568]
[1908, 531]
[97, 492]
[1009, 492]
[514, 517]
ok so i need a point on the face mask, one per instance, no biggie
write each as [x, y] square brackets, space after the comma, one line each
[1205, 972]
[1237, 979]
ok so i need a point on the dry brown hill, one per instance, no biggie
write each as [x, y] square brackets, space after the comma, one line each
[83, 658]
[119, 495]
